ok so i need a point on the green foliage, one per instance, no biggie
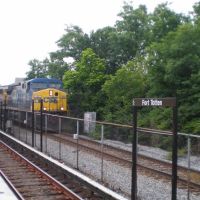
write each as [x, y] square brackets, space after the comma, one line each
[156, 118]
[57, 66]
[163, 20]
[192, 126]
[47, 68]
[174, 70]
[85, 81]
[73, 42]
[133, 31]
[104, 42]
[38, 69]
[181, 153]
[165, 143]
[120, 89]
[95, 135]
[196, 13]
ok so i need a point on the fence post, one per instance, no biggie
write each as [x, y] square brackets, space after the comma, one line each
[59, 149]
[33, 124]
[4, 118]
[102, 144]
[188, 156]
[59, 122]
[77, 155]
[41, 125]
[1, 106]
[26, 125]
[46, 132]
[174, 155]
[19, 123]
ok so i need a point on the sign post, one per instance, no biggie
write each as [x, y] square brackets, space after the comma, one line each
[134, 156]
[154, 102]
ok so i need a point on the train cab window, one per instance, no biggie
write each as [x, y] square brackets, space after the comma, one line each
[46, 100]
[37, 99]
[37, 86]
[53, 100]
[55, 85]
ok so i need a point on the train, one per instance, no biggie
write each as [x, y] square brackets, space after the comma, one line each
[22, 93]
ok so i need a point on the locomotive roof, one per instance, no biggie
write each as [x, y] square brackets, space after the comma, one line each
[44, 80]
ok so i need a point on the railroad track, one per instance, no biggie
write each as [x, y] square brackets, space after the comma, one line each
[9, 191]
[29, 180]
[76, 183]
[186, 179]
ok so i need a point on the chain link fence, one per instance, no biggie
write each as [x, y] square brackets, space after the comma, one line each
[86, 146]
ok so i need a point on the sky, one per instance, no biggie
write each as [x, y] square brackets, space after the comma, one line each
[29, 29]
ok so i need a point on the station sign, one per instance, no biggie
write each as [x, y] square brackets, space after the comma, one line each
[159, 102]
[154, 102]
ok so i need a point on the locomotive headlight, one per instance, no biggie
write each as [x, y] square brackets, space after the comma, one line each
[50, 92]
[44, 108]
[62, 108]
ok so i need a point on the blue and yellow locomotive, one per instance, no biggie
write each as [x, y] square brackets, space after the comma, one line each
[50, 90]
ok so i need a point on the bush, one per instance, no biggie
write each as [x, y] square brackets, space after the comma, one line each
[181, 153]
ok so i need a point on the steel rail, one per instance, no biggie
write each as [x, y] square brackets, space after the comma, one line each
[63, 189]
[11, 186]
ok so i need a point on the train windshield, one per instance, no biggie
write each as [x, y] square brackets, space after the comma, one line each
[55, 85]
[39, 86]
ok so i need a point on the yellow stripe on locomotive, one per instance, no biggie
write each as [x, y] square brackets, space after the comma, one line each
[53, 100]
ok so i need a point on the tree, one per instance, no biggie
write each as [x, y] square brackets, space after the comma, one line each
[85, 81]
[174, 70]
[38, 69]
[121, 88]
[104, 43]
[196, 12]
[57, 66]
[72, 43]
[133, 32]
[163, 20]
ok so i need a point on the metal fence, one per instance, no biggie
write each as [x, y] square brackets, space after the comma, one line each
[151, 143]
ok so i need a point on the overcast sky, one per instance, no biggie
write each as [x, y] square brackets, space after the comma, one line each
[30, 28]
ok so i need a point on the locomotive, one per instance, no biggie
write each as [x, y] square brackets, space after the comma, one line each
[49, 90]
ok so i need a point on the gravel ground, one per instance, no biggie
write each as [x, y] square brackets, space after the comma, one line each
[157, 153]
[115, 177]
